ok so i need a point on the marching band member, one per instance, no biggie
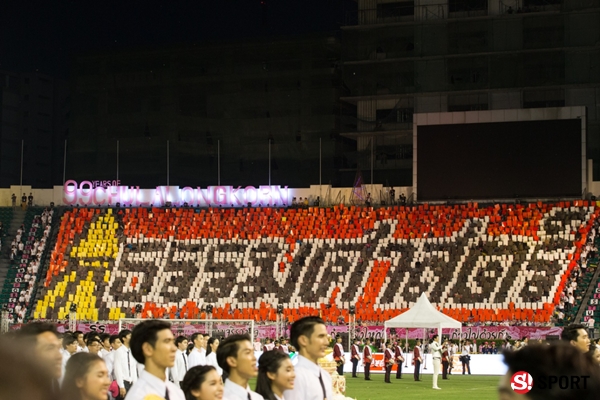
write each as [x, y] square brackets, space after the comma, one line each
[367, 358]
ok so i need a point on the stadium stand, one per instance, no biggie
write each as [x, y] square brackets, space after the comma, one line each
[482, 264]
[20, 283]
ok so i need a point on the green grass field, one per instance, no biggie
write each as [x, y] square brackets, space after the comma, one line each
[459, 387]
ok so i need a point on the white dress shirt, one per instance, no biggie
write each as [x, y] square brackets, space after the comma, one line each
[180, 367]
[109, 359]
[211, 359]
[233, 391]
[307, 385]
[436, 349]
[66, 357]
[149, 384]
[125, 366]
[197, 357]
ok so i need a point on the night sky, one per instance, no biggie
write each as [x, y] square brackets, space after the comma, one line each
[44, 35]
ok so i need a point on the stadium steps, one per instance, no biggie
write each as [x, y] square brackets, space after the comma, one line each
[17, 216]
[581, 291]
[45, 259]
[590, 302]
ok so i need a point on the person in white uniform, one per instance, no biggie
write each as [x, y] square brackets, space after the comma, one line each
[235, 356]
[275, 375]
[125, 367]
[309, 336]
[153, 345]
[211, 354]
[181, 362]
[436, 354]
[198, 354]
[69, 343]
[202, 383]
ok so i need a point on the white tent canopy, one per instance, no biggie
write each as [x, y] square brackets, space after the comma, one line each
[422, 315]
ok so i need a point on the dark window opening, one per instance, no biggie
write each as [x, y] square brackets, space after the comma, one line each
[467, 5]
[398, 9]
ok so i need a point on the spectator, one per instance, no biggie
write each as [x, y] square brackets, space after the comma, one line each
[543, 361]
[591, 323]
[23, 377]
[577, 335]
[275, 375]
[69, 343]
[86, 378]
[202, 382]
[181, 362]
[44, 345]
[309, 336]
[153, 345]
[235, 356]
[125, 369]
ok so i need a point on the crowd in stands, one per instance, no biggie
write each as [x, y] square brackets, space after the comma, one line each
[563, 311]
[27, 250]
[174, 262]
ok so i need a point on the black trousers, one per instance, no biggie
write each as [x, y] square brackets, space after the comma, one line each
[388, 371]
[128, 386]
[467, 366]
[417, 369]
[340, 369]
[354, 367]
[445, 365]
[399, 370]
[367, 370]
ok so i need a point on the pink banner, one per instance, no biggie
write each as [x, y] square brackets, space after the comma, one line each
[374, 332]
[468, 332]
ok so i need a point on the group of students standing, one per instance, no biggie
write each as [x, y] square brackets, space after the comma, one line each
[149, 362]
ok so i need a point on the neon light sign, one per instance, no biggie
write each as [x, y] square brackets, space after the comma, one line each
[88, 194]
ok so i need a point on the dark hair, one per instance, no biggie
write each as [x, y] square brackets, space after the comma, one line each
[195, 336]
[77, 367]
[556, 359]
[304, 326]
[124, 333]
[91, 340]
[30, 331]
[179, 340]
[208, 345]
[194, 378]
[22, 377]
[190, 348]
[104, 336]
[113, 339]
[269, 361]
[571, 332]
[229, 348]
[77, 333]
[68, 339]
[145, 332]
